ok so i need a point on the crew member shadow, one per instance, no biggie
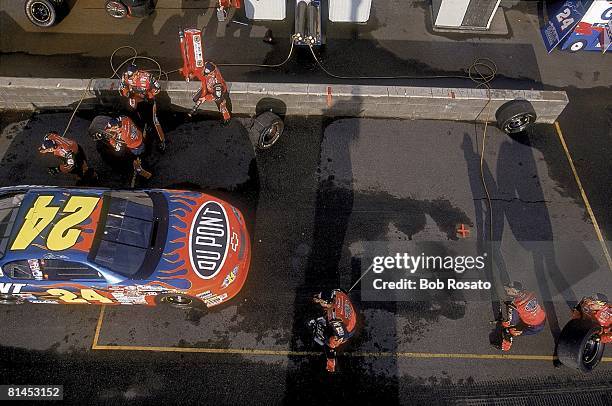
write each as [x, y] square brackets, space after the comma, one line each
[518, 199]
[329, 264]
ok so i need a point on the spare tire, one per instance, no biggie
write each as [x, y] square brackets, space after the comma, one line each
[515, 116]
[578, 346]
[266, 130]
[45, 13]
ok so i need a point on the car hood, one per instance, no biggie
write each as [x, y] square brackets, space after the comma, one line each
[206, 238]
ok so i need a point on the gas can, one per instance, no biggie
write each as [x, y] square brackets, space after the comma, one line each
[192, 51]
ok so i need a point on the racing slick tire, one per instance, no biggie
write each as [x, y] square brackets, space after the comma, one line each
[266, 130]
[10, 300]
[578, 347]
[116, 9]
[180, 301]
[45, 13]
[515, 116]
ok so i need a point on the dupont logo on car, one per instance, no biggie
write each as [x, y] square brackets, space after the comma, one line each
[209, 238]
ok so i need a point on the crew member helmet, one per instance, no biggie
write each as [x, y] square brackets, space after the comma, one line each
[48, 142]
[131, 69]
[209, 67]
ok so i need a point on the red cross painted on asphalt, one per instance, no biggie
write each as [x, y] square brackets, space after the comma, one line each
[463, 231]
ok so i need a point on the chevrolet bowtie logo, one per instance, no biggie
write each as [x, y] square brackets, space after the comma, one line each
[234, 241]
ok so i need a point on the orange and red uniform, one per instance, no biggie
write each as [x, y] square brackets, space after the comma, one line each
[214, 89]
[68, 152]
[336, 327]
[342, 311]
[230, 3]
[139, 86]
[525, 317]
[528, 309]
[129, 134]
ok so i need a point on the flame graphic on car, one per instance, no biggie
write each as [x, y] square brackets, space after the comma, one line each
[88, 230]
[175, 264]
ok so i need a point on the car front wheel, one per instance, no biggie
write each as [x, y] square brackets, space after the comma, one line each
[10, 300]
[179, 301]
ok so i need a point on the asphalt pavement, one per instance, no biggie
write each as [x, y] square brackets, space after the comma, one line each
[314, 201]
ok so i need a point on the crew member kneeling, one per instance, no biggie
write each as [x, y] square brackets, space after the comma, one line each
[525, 316]
[70, 154]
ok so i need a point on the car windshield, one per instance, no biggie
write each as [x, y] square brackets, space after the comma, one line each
[9, 207]
[126, 234]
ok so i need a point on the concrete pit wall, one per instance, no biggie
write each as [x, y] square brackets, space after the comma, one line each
[296, 99]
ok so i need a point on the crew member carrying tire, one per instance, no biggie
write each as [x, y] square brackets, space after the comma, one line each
[338, 325]
[141, 88]
[71, 156]
[524, 315]
[214, 89]
[581, 344]
[598, 309]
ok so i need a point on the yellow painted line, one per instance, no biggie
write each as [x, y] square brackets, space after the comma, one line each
[287, 353]
[98, 328]
[584, 197]
[226, 351]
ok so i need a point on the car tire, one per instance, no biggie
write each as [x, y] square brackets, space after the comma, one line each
[9, 300]
[266, 130]
[577, 46]
[179, 301]
[45, 13]
[515, 116]
[577, 347]
[116, 9]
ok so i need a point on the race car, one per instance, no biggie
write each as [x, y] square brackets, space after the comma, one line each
[100, 246]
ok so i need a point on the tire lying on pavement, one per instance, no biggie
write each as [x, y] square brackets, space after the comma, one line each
[45, 13]
[515, 116]
[578, 347]
[266, 130]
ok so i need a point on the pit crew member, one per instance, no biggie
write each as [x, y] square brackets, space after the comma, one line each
[336, 327]
[524, 315]
[70, 154]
